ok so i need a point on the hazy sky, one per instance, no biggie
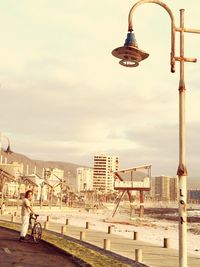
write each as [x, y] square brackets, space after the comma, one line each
[65, 97]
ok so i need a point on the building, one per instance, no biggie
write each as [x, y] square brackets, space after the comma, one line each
[84, 179]
[194, 195]
[165, 188]
[54, 174]
[104, 165]
[173, 188]
[151, 194]
[15, 169]
[162, 188]
[54, 178]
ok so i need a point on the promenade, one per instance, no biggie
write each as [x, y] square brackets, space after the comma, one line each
[152, 255]
[18, 254]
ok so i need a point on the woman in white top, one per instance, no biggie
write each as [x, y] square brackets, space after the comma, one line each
[25, 214]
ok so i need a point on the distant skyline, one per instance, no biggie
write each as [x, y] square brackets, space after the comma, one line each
[66, 98]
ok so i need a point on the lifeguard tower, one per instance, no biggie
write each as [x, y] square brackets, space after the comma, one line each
[127, 180]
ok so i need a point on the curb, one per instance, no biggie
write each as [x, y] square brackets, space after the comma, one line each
[111, 254]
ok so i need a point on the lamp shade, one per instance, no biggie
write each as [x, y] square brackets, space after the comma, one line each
[129, 54]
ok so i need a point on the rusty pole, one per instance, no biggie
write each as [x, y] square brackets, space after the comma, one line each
[182, 170]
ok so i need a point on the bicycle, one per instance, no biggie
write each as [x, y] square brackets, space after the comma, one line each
[34, 229]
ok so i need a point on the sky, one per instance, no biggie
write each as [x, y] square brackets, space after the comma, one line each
[65, 97]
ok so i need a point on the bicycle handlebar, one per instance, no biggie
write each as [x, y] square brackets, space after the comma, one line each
[34, 216]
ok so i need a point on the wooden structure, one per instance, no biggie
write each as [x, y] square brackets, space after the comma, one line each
[126, 186]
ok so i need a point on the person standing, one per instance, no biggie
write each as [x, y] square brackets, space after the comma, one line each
[25, 214]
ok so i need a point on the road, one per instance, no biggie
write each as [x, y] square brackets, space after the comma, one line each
[17, 254]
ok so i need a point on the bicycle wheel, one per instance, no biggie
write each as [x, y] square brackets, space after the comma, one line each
[29, 232]
[37, 232]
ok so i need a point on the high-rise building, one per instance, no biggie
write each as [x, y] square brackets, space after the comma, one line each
[162, 188]
[166, 188]
[104, 165]
[84, 179]
[173, 188]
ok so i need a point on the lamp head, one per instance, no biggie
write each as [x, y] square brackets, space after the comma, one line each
[129, 54]
[8, 150]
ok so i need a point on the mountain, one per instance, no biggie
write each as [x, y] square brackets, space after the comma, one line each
[69, 168]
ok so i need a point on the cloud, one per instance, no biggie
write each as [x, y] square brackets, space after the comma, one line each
[65, 97]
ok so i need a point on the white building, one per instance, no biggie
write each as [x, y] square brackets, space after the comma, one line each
[14, 169]
[104, 165]
[54, 174]
[84, 179]
[54, 177]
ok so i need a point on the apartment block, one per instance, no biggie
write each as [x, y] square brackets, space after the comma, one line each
[104, 165]
[173, 188]
[84, 179]
[162, 188]
[165, 188]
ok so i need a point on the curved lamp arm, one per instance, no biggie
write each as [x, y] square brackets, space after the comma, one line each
[173, 28]
[8, 150]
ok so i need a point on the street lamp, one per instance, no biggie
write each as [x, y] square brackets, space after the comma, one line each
[8, 150]
[130, 56]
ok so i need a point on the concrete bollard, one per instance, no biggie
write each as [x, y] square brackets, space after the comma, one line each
[2, 212]
[63, 230]
[166, 243]
[110, 229]
[87, 226]
[67, 222]
[12, 218]
[106, 244]
[46, 225]
[82, 236]
[48, 218]
[135, 235]
[138, 255]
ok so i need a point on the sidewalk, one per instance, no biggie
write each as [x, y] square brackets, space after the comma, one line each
[18, 254]
[153, 255]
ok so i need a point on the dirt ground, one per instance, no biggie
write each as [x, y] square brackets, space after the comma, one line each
[17, 254]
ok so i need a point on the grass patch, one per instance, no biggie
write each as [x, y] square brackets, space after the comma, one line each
[87, 255]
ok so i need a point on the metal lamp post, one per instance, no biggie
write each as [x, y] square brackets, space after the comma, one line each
[8, 150]
[130, 56]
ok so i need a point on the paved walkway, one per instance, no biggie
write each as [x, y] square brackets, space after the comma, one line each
[153, 255]
[17, 254]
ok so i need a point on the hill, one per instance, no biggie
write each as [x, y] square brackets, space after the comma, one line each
[69, 168]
